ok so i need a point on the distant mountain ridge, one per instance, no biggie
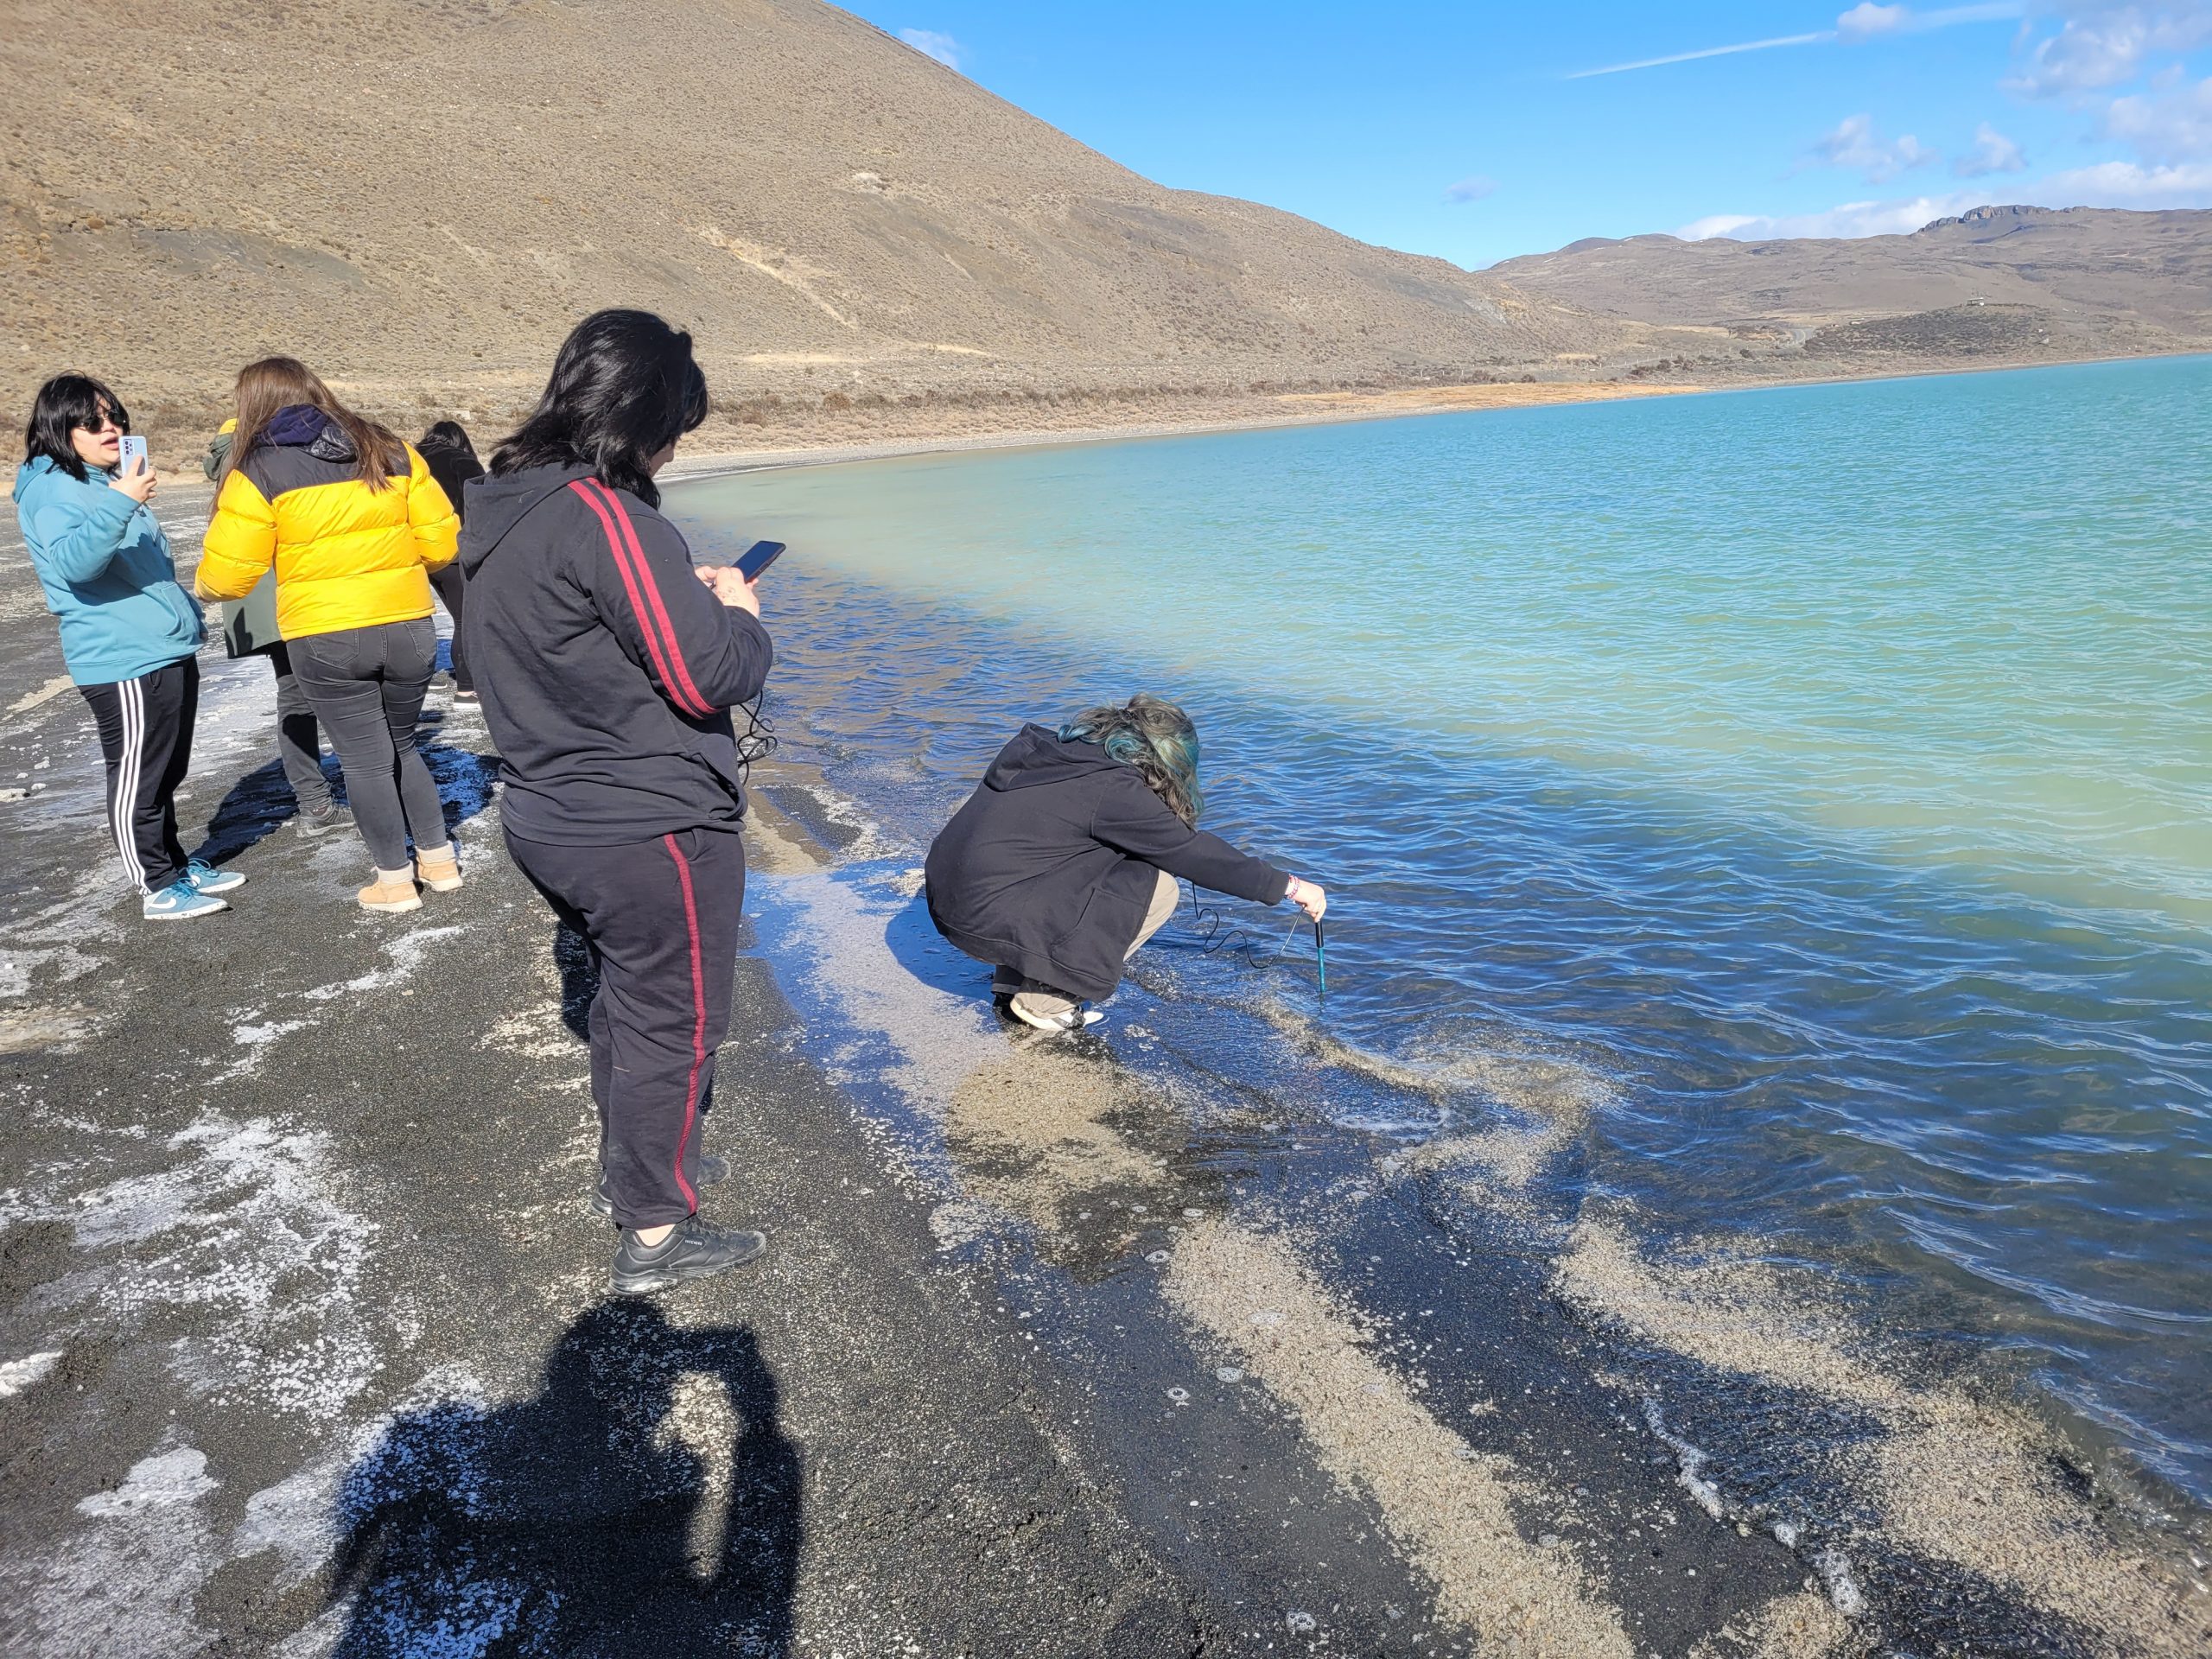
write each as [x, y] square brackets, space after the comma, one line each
[2007, 216]
[2092, 279]
[420, 196]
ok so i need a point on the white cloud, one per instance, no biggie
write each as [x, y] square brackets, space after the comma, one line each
[1703, 230]
[1992, 152]
[930, 44]
[1919, 23]
[1864, 21]
[1471, 189]
[1851, 219]
[1854, 143]
[2099, 44]
[2171, 126]
[2126, 184]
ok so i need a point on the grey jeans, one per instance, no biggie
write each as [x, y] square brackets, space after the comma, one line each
[1039, 998]
[366, 686]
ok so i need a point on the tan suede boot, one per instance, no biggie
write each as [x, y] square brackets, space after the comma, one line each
[439, 871]
[393, 890]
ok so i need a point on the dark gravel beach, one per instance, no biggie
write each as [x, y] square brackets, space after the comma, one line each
[306, 1346]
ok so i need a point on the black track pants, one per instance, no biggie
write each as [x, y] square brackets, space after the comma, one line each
[146, 740]
[661, 919]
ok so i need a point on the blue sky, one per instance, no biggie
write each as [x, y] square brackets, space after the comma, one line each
[1476, 131]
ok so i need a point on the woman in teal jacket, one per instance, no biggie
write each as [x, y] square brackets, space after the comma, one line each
[129, 630]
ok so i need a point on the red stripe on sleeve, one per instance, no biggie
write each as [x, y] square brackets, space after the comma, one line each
[629, 582]
[699, 705]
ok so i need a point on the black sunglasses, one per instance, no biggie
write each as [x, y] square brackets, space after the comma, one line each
[99, 422]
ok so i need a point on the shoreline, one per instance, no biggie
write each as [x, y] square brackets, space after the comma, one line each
[263, 1393]
[1343, 408]
[1251, 414]
[1050, 1355]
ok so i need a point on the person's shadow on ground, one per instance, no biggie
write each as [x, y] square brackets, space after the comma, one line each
[255, 807]
[645, 1501]
[259, 803]
[916, 945]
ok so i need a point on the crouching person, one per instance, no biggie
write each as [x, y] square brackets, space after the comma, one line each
[607, 667]
[130, 632]
[1064, 860]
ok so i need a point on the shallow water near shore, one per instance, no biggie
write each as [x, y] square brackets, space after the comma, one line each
[1791, 806]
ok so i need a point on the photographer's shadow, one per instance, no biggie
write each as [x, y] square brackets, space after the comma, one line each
[645, 1500]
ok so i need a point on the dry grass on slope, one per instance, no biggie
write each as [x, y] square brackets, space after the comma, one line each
[420, 196]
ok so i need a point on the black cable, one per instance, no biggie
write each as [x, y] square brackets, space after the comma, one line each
[758, 740]
[1213, 939]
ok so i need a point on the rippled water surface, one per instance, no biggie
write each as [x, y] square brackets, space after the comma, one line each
[1831, 767]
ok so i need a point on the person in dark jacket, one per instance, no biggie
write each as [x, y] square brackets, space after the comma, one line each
[452, 462]
[609, 666]
[1065, 859]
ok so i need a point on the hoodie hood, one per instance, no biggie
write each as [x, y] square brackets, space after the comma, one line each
[1036, 757]
[498, 503]
[42, 481]
[302, 426]
[40, 467]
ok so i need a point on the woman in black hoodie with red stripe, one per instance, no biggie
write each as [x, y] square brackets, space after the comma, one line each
[608, 666]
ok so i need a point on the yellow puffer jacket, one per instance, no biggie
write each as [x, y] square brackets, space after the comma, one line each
[345, 555]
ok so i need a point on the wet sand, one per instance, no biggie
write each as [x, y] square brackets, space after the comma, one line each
[1114, 1347]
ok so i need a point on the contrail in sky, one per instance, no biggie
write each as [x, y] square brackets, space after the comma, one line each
[1814, 39]
[1863, 22]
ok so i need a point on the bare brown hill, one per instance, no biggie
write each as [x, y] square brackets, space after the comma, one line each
[2008, 281]
[420, 196]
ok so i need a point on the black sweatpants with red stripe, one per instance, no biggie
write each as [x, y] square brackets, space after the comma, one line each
[660, 917]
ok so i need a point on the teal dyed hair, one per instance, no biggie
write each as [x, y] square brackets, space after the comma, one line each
[1155, 737]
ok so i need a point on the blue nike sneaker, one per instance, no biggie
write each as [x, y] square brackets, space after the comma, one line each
[181, 901]
[206, 878]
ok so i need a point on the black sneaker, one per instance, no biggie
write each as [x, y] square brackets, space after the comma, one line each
[692, 1250]
[713, 1172]
[333, 817]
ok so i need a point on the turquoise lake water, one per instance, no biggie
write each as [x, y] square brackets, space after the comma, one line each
[1832, 767]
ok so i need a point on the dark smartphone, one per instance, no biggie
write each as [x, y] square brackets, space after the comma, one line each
[758, 557]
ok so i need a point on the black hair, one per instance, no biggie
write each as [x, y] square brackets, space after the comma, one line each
[624, 388]
[64, 403]
[448, 434]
